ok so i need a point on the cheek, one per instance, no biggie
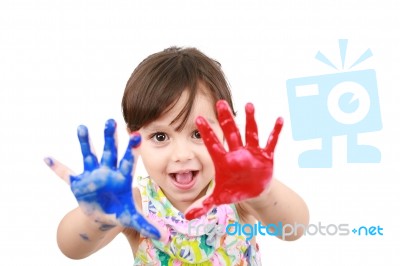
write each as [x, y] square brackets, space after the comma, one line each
[218, 132]
[207, 163]
[154, 168]
[153, 160]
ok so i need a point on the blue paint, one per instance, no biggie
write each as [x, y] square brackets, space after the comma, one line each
[105, 187]
[89, 159]
[110, 149]
[105, 227]
[84, 237]
[49, 161]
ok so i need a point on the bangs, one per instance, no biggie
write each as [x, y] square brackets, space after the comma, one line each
[158, 82]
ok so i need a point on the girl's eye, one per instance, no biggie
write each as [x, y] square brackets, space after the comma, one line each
[160, 137]
[196, 134]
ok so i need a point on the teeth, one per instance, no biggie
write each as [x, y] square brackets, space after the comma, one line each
[184, 178]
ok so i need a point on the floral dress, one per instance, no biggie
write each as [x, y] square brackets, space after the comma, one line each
[202, 241]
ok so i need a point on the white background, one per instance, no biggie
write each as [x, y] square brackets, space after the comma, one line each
[65, 63]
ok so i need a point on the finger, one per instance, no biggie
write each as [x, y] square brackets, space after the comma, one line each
[110, 153]
[195, 213]
[228, 125]
[141, 224]
[59, 169]
[213, 145]
[251, 127]
[89, 158]
[273, 137]
[126, 164]
[129, 216]
[200, 207]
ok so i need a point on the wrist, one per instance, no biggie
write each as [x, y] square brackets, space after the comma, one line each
[98, 220]
[263, 200]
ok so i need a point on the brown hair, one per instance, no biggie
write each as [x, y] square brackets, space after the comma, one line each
[159, 80]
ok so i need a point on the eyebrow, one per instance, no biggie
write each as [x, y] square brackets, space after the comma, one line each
[155, 127]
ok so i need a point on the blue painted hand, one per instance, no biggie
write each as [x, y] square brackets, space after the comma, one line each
[103, 187]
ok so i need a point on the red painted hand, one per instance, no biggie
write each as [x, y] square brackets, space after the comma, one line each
[243, 172]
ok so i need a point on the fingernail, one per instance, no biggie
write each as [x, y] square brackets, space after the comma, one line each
[48, 161]
[82, 131]
[110, 126]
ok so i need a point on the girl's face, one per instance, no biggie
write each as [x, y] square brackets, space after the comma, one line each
[179, 161]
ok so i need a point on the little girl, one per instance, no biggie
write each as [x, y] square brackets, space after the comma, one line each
[178, 110]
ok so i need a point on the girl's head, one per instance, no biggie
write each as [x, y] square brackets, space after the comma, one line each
[158, 81]
[162, 99]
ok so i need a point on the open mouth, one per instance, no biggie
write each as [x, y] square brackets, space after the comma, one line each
[184, 180]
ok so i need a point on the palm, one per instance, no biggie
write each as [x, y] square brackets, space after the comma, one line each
[105, 187]
[243, 172]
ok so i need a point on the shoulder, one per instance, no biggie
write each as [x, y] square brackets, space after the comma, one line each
[245, 218]
[243, 214]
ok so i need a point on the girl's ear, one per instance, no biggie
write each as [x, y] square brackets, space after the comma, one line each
[128, 130]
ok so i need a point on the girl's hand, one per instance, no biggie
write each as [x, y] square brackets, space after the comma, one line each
[243, 172]
[103, 190]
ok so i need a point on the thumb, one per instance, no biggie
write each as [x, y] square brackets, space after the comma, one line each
[200, 207]
[273, 137]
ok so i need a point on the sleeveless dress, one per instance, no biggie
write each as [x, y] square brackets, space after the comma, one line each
[202, 241]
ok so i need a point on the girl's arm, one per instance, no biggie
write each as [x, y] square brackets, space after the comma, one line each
[279, 205]
[79, 236]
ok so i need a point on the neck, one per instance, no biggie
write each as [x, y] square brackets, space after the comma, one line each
[183, 206]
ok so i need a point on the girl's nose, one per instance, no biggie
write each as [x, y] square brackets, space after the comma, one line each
[182, 151]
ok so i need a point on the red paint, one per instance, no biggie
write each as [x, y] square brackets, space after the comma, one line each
[244, 171]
